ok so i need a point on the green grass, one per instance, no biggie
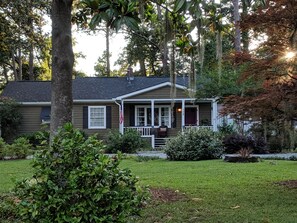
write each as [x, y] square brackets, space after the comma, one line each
[12, 171]
[216, 191]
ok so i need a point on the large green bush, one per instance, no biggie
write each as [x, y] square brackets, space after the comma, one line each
[74, 181]
[129, 142]
[19, 149]
[10, 118]
[200, 144]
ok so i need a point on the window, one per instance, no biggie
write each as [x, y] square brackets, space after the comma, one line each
[97, 117]
[45, 115]
[161, 116]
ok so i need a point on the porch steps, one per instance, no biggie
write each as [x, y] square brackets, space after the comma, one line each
[160, 142]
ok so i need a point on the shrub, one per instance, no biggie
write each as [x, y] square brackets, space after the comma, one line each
[20, 148]
[74, 181]
[38, 139]
[2, 148]
[201, 144]
[10, 117]
[235, 142]
[129, 142]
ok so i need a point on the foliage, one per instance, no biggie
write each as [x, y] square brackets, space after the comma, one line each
[201, 144]
[10, 117]
[235, 142]
[19, 149]
[39, 139]
[7, 208]
[273, 98]
[226, 129]
[129, 142]
[75, 182]
[2, 148]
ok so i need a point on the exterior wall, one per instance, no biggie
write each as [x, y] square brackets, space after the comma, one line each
[163, 92]
[102, 133]
[31, 121]
[205, 114]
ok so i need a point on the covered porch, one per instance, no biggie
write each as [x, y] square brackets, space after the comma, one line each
[174, 116]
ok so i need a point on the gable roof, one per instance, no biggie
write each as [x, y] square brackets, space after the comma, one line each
[89, 88]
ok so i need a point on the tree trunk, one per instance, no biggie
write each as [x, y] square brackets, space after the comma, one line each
[31, 64]
[20, 74]
[62, 65]
[142, 67]
[237, 41]
[245, 34]
[107, 51]
[15, 73]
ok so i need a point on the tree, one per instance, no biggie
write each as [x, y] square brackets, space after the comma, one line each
[273, 97]
[62, 64]
[10, 118]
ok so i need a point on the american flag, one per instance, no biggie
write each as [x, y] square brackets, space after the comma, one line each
[121, 116]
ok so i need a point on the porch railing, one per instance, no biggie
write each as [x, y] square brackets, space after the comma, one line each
[199, 127]
[143, 130]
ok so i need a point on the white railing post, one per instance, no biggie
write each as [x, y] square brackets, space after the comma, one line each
[183, 115]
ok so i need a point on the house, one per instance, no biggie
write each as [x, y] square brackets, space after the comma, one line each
[101, 104]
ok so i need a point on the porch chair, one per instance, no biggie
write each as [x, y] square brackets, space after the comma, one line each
[162, 131]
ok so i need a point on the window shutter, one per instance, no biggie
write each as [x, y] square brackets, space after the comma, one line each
[85, 117]
[132, 115]
[174, 117]
[108, 117]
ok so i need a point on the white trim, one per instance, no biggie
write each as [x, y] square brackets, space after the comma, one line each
[149, 89]
[89, 117]
[168, 100]
[34, 103]
[92, 100]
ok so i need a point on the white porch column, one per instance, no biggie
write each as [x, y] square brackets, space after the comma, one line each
[183, 115]
[214, 115]
[153, 113]
[122, 117]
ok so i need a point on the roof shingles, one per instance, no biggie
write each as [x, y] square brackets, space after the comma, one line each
[90, 88]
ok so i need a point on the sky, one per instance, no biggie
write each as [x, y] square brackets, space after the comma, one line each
[92, 46]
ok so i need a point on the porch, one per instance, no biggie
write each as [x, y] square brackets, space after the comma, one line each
[182, 115]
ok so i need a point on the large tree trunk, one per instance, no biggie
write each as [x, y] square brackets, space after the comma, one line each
[107, 51]
[31, 63]
[15, 73]
[62, 64]
[237, 38]
[142, 67]
[20, 74]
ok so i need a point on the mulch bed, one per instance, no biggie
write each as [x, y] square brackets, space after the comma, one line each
[292, 184]
[165, 195]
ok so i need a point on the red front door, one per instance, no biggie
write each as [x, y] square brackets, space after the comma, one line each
[191, 116]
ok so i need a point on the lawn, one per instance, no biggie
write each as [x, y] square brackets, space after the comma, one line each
[214, 191]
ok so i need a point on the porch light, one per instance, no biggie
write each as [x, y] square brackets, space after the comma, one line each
[179, 110]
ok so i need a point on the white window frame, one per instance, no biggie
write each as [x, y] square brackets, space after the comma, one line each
[89, 117]
[146, 114]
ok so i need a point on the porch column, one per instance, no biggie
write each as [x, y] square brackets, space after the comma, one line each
[214, 114]
[122, 117]
[152, 113]
[183, 115]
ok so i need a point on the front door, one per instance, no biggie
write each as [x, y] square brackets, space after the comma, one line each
[191, 116]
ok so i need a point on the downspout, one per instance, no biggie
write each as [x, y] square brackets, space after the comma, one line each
[121, 129]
